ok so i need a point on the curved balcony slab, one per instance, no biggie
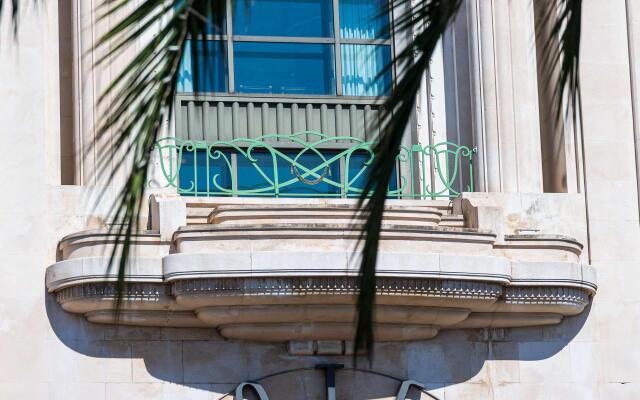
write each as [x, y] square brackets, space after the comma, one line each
[158, 318]
[97, 243]
[269, 272]
[318, 263]
[78, 271]
[507, 320]
[541, 247]
[269, 214]
[220, 316]
[325, 331]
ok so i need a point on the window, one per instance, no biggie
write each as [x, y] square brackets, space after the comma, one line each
[363, 70]
[296, 47]
[293, 68]
[291, 18]
[211, 67]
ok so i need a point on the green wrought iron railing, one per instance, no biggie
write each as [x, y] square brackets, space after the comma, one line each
[309, 164]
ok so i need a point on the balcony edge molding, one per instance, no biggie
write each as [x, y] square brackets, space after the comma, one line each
[287, 272]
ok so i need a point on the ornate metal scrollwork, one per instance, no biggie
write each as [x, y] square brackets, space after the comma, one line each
[201, 168]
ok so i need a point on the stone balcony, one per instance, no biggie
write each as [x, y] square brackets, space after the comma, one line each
[285, 270]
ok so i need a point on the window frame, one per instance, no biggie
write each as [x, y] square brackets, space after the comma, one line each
[229, 38]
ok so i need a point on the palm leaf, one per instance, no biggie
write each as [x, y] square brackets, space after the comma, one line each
[143, 94]
[413, 61]
[561, 53]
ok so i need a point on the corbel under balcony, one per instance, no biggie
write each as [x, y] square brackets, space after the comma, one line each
[285, 270]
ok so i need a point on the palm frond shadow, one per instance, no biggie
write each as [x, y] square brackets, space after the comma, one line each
[14, 9]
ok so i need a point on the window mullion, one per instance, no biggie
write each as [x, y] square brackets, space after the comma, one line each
[337, 47]
[386, 42]
[392, 43]
[230, 62]
[283, 39]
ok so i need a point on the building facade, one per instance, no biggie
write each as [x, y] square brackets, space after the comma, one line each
[507, 264]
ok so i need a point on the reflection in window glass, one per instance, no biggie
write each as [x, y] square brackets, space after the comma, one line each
[303, 18]
[212, 70]
[362, 70]
[364, 19]
[284, 68]
[209, 9]
[216, 26]
[195, 178]
[358, 165]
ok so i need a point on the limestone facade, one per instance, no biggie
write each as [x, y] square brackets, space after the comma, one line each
[547, 299]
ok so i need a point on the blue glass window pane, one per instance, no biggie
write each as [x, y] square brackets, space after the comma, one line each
[364, 19]
[250, 178]
[284, 68]
[302, 18]
[362, 70]
[357, 163]
[219, 27]
[212, 68]
[208, 9]
[194, 177]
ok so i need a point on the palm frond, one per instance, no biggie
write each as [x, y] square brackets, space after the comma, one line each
[14, 8]
[433, 16]
[560, 57]
[140, 97]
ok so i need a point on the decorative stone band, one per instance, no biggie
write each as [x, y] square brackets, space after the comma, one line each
[545, 295]
[339, 285]
[108, 290]
[324, 285]
[95, 296]
[322, 308]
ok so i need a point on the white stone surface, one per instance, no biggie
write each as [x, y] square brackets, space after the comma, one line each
[47, 353]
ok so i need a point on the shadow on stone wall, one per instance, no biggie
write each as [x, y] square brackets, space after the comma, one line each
[200, 360]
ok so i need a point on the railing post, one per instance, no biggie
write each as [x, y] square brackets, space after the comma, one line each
[234, 174]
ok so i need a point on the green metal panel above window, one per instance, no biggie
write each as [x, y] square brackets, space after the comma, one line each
[231, 117]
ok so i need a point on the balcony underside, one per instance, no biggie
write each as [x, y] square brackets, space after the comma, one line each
[278, 272]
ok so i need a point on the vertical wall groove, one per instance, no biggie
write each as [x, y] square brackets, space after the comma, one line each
[634, 94]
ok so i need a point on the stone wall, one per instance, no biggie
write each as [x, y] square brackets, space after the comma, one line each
[46, 353]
